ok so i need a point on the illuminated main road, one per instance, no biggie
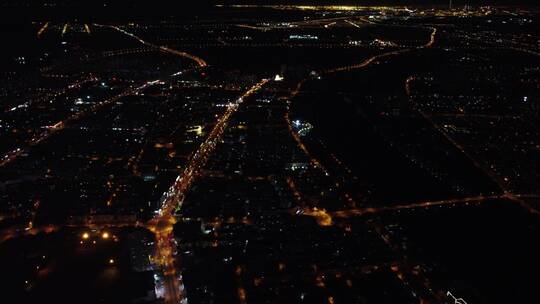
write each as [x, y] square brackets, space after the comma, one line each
[60, 125]
[18, 151]
[373, 59]
[165, 49]
[162, 223]
[360, 65]
[325, 219]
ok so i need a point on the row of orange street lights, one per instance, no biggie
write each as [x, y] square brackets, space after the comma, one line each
[105, 235]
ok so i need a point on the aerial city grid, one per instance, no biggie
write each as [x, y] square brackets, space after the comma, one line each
[266, 152]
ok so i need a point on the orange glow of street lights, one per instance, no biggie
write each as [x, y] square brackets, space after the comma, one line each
[105, 235]
[85, 236]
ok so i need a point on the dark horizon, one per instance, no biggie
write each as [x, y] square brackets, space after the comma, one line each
[34, 9]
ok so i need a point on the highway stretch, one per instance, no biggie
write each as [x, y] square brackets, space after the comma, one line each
[165, 49]
[162, 223]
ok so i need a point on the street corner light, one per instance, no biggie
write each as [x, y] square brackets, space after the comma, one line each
[111, 261]
[85, 236]
[105, 235]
